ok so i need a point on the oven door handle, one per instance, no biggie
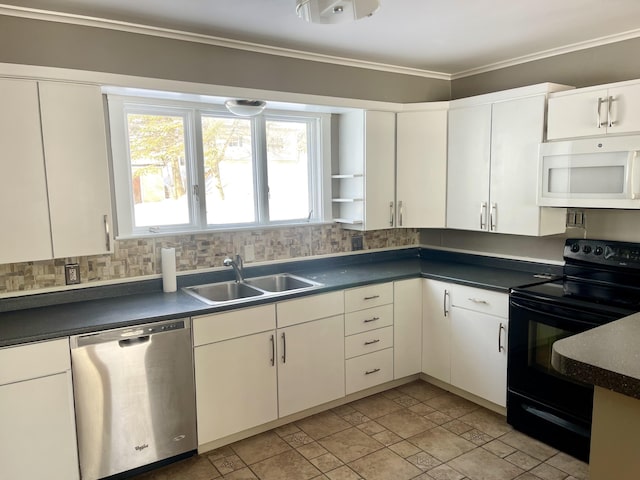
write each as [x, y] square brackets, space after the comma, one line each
[571, 320]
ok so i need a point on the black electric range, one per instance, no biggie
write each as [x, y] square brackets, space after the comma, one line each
[601, 283]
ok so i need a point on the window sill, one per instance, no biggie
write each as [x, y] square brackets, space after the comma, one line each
[212, 231]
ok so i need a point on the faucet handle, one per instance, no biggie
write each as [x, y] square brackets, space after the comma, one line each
[239, 261]
[227, 262]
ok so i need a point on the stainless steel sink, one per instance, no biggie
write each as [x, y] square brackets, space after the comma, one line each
[223, 292]
[282, 282]
[267, 286]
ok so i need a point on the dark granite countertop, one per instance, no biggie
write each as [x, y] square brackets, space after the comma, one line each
[71, 312]
[607, 356]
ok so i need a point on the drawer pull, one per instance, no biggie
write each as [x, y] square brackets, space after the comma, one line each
[372, 297]
[371, 319]
[478, 300]
[371, 342]
[369, 372]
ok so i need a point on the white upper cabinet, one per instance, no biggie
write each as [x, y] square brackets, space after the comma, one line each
[75, 145]
[421, 168]
[604, 110]
[469, 167]
[493, 165]
[54, 172]
[24, 214]
[364, 181]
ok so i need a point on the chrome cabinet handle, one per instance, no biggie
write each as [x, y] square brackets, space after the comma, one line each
[493, 217]
[483, 215]
[610, 122]
[106, 233]
[273, 351]
[372, 297]
[369, 372]
[500, 329]
[372, 319]
[478, 300]
[284, 348]
[445, 297]
[371, 342]
[391, 219]
[599, 123]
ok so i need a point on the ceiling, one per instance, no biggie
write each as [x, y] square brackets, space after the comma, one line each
[455, 37]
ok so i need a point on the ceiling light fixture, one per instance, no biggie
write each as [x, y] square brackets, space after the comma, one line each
[245, 108]
[335, 11]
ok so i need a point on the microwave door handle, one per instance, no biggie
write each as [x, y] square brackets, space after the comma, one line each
[635, 176]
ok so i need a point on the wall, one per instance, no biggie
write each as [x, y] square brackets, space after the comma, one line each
[614, 62]
[601, 224]
[52, 44]
[141, 257]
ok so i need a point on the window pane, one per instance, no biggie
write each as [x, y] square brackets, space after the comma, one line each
[158, 171]
[288, 170]
[228, 170]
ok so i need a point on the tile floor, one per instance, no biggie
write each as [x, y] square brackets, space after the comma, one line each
[416, 431]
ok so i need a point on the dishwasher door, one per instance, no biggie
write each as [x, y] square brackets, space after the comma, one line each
[134, 396]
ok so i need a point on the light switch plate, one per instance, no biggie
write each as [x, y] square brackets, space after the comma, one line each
[249, 253]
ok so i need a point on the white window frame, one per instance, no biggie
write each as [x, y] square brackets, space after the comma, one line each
[319, 141]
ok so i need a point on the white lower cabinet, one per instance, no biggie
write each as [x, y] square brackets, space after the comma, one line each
[465, 338]
[38, 435]
[248, 372]
[407, 327]
[310, 364]
[369, 336]
[235, 371]
[436, 328]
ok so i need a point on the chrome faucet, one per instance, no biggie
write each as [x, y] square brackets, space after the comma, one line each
[238, 267]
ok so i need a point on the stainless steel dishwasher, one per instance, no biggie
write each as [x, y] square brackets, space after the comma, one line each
[134, 397]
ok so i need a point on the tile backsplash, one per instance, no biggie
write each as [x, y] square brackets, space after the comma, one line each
[141, 257]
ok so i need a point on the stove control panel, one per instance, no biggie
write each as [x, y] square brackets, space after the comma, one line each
[603, 252]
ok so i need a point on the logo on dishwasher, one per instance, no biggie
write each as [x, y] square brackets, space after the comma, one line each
[139, 448]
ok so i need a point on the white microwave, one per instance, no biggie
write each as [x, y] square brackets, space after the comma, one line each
[590, 173]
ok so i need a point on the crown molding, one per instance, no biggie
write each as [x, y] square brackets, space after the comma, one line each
[86, 21]
[574, 47]
[82, 20]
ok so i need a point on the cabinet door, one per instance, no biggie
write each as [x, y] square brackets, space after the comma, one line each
[379, 177]
[436, 327]
[468, 167]
[24, 214]
[407, 327]
[576, 115]
[38, 436]
[625, 115]
[421, 168]
[517, 127]
[74, 136]
[236, 385]
[310, 364]
[479, 354]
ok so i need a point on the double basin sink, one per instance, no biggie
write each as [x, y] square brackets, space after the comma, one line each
[270, 285]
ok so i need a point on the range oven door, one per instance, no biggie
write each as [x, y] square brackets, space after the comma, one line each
[540, 401]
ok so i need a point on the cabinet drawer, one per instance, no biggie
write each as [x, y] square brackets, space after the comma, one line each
[237, 323]
[368, 319]
[369, 370]
[479, 300]
[34, 360]
[305, 309]
[368, 342]
[367, 297]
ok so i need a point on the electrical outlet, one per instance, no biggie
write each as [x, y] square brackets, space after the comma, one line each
[72, 274]
[357, 242]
